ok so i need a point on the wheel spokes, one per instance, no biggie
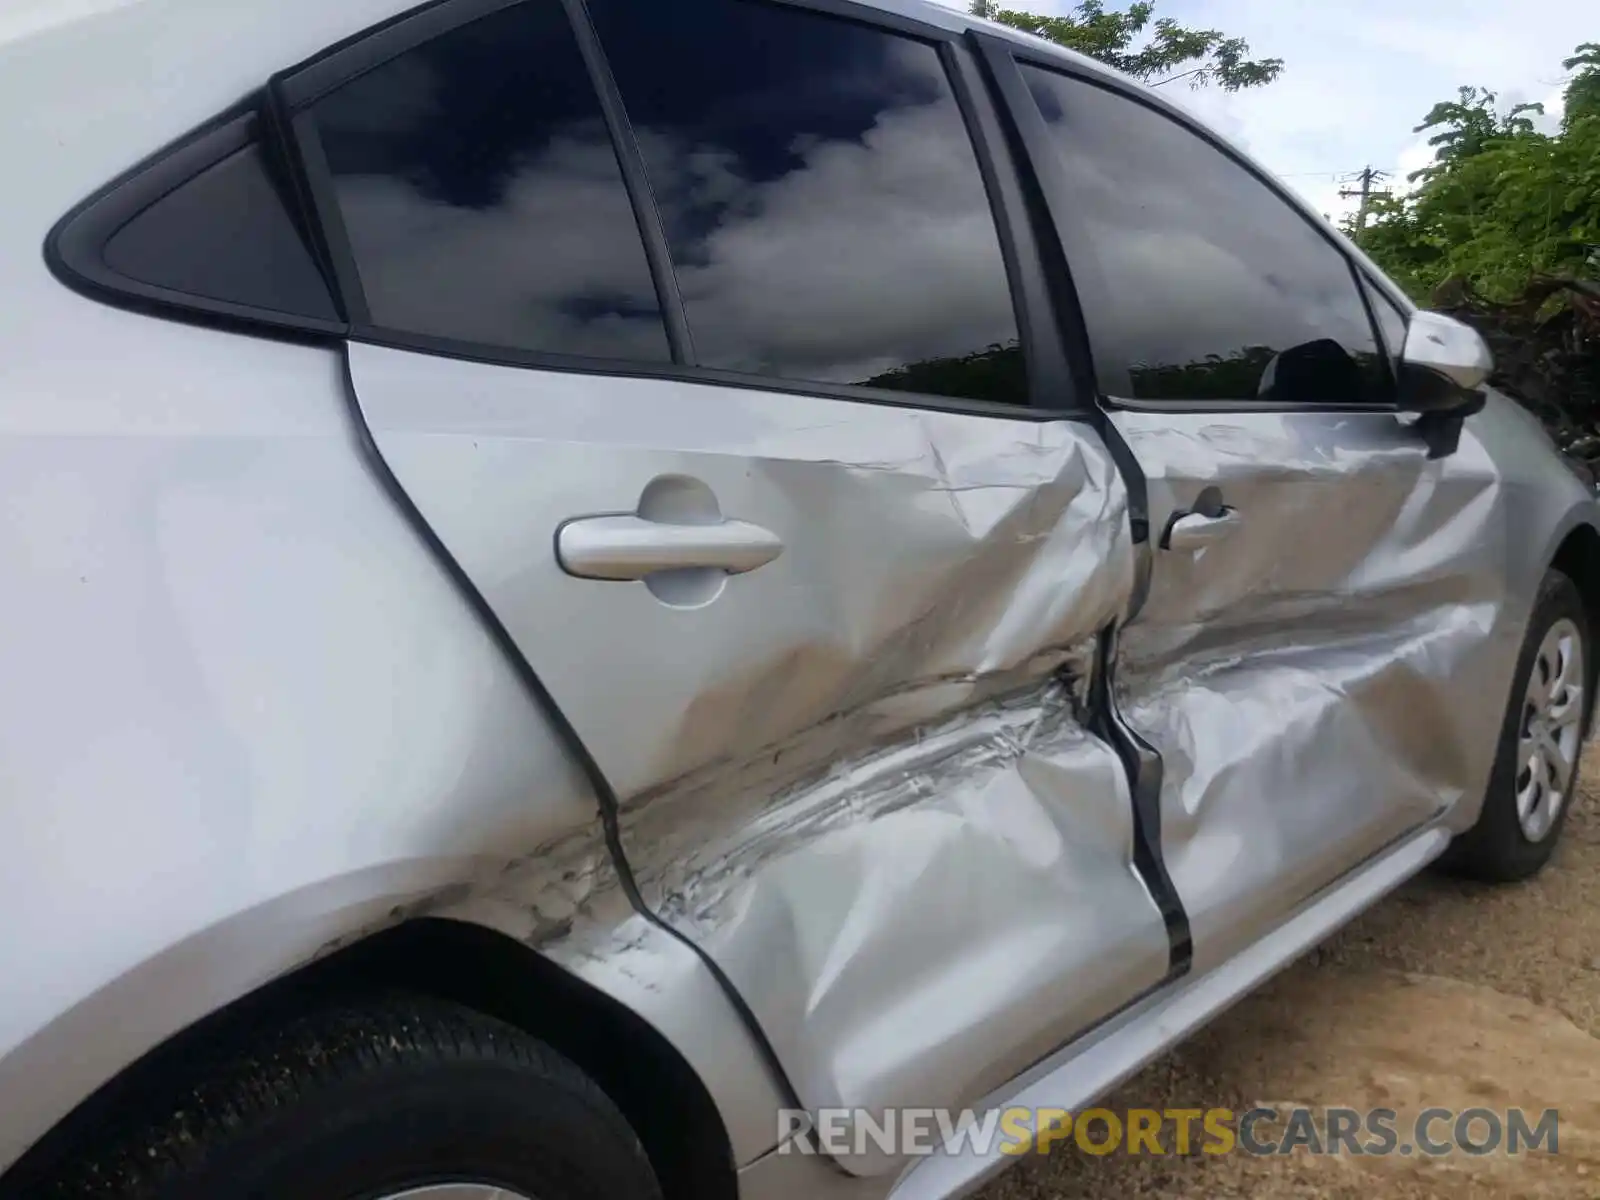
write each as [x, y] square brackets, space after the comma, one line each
[1548, 736]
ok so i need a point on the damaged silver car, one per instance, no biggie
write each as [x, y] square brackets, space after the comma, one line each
[586, 576]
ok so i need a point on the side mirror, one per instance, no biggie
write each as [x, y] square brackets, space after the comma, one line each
[1443, 365]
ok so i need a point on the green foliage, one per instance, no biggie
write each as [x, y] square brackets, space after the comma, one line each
[1236, 376]
[1502, 203]
[1468, 126]
[1503, 230]
[996, 373]
[1157, 53]
[1583, 92]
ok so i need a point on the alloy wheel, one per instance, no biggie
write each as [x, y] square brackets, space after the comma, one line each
[1550, 737]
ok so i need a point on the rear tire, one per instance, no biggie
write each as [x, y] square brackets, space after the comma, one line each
[1533, 786]
[370, 1102]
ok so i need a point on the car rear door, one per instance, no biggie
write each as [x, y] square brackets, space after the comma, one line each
[1319, 628]
[737, 434]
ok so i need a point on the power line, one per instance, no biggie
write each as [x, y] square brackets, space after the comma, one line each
[1325, 174]
[1367, 176]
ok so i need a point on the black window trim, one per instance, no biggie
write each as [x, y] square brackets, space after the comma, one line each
[276, 116]
[1021, 247]
[866, 14]
[1004, 57]
[571, 364]
[309, 80]
[1401, 303]
[351, 59]
[74, 247]
[1389, 354]
[636, 181]
[314, 184]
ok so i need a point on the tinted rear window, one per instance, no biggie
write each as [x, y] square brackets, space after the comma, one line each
[823, 201]
[483, 198]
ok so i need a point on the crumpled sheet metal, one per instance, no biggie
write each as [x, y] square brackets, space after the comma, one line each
[1330, 678]
[920, 546]
[566, 900]
[957, 557]
[910, 858]
[796, 791]
[918, 923]
[565, 892]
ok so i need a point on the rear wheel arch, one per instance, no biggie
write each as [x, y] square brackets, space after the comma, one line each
[656, 1089]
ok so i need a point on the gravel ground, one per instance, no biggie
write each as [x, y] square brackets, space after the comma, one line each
[1446, 994]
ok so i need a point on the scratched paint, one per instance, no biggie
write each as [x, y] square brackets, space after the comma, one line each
[1330, 678]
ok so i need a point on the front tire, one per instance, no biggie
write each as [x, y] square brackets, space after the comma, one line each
[1535, 776]
[405, 1097]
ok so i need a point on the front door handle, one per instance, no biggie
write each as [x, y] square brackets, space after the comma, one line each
[1195, 531]
[632, 547]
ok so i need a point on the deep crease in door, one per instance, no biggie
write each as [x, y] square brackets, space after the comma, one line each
[831, 872]
[1331, 676]
[860, 778]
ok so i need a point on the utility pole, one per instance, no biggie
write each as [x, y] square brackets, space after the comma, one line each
[1367, 176]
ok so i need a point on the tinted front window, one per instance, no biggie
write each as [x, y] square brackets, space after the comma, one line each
[823, 202]
[1197, 281]
[482, 194]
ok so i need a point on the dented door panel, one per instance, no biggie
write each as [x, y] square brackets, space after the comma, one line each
[859, 777]
[924, 916]
[1330, 674]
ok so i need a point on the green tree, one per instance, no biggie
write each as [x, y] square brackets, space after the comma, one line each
[1582, 97]
[997, 372]
[1157, 52]
[1503, 229]
[1502, 204]
[1468, 126]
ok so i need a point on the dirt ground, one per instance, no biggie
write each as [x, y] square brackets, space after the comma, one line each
[1446, 994]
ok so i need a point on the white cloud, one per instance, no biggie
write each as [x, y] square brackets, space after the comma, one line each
[1414, 157]
[870, 253]
[869, 240]
[1554, 106]
[477, 274]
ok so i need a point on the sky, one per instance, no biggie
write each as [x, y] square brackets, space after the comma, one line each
[1359, 76]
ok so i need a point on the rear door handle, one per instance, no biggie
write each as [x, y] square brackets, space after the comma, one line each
[1195, 531]
[631, 547]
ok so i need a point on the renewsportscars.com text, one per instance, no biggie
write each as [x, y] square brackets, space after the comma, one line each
[1266, 1129]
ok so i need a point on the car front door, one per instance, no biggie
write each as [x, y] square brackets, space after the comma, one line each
[761, 499]
[1321, 590]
